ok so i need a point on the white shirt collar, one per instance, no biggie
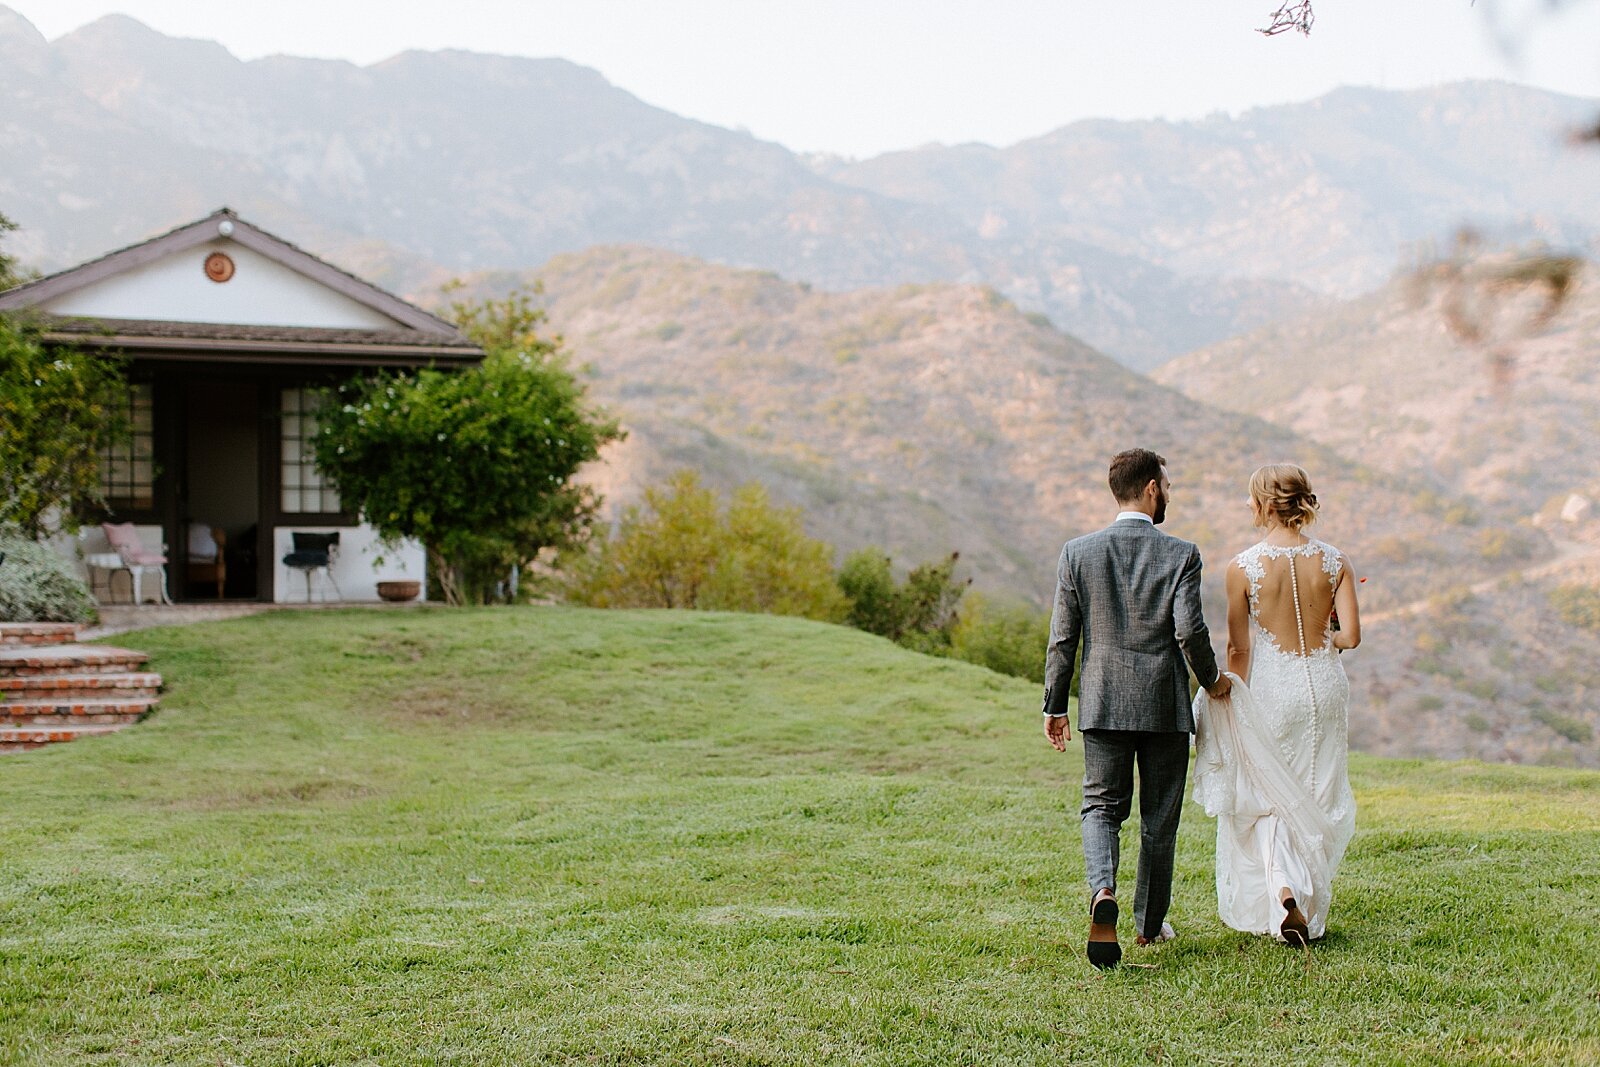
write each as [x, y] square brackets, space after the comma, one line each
[1135, 515]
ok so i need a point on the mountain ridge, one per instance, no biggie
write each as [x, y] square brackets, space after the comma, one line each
[428, 164]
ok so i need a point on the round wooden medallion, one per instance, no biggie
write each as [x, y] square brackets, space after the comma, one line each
[219, 266]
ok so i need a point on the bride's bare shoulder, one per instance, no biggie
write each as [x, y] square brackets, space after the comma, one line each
[1234, 573]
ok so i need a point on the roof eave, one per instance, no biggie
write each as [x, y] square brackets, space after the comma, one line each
[233, 350]
[190, 235]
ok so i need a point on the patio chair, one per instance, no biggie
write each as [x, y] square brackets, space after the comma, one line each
[206, 561]
[314, 552]
[137, 558]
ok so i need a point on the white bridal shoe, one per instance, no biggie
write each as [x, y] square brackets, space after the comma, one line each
[1167, 934]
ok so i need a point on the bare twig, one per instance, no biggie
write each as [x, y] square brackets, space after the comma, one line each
[1586, 135]
[1291, 15]
[1495, 299]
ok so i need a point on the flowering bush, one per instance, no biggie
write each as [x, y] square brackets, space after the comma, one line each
[37, 585]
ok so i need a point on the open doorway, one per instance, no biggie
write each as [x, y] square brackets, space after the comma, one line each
[220, 498]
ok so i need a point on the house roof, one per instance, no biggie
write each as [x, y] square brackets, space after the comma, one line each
[226, 342]
[226, 224]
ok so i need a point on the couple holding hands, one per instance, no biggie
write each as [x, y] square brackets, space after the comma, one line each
[1271, 731]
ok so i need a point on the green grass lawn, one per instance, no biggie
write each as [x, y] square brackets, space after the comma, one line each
[550, 835]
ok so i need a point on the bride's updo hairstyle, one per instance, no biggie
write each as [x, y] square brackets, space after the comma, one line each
[1282, 491]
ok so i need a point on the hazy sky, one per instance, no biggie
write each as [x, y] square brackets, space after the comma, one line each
[862, 76]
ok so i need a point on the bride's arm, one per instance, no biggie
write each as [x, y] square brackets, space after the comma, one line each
[1238, 620]
[1344, 602]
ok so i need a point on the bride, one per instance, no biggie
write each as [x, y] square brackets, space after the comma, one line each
[1270, 758]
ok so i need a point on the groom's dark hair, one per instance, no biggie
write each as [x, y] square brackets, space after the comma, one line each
[1132, 470]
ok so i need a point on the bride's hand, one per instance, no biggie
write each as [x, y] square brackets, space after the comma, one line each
[1220, 689]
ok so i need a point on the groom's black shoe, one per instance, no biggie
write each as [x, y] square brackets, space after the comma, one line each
[1104, 952]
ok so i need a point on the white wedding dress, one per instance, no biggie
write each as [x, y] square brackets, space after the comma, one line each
[1270, 761]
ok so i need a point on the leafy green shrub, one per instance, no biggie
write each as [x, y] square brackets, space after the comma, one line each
[1575, 730]
[1007, 638]
[36, 584]
[920, 613]
[1578, 605]
[682, 549]
[1504, 546]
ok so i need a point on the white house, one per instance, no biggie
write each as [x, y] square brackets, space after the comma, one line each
[227, 329]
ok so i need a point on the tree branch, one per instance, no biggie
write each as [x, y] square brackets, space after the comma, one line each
[1291, 15]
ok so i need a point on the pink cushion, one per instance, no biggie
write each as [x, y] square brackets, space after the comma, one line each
[125, 539]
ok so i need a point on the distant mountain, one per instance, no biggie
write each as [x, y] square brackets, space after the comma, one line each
[1147, 239]
[1325, 195]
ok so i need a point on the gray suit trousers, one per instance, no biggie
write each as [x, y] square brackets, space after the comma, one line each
[1109, 757]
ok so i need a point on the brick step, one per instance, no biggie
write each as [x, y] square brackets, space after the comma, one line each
[63, 688]
[64, 713]
[18, 661]
[25, 738]
[37, 633]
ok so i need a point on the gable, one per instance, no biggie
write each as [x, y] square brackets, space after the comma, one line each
[260, 292]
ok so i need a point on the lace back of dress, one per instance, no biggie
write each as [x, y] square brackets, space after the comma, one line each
[1285, 591]
[1288, 601]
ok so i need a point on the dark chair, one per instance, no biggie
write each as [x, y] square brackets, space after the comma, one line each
[314, 552]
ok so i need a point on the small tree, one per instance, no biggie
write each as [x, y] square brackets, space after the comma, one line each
[663, 552]
[769, 565]
[477, 465]
[920, 612]
[10, 273]
[62, 408]
[681, 549]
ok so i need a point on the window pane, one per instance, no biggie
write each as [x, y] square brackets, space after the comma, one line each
[127, 468]
[305, 490]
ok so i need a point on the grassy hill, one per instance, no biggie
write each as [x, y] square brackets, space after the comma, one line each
[546, 835]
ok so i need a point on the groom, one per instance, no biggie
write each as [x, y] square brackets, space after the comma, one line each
[1131, 595]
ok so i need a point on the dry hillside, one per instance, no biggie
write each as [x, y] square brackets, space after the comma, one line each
[931, 418]
[1381, 379]
[1489, 671]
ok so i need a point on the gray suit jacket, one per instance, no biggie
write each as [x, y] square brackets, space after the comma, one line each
[1132, 595]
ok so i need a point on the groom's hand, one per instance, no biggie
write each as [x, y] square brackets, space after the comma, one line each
[1058, 731]
[1220, 689]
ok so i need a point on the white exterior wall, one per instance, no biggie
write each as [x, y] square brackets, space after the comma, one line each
[357, 568]
[260, 293]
